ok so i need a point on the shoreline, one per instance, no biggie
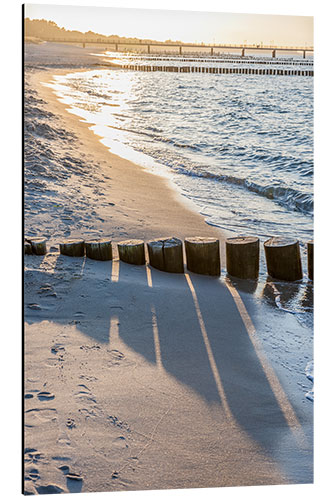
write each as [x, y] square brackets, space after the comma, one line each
[137, 379]
[148, 195]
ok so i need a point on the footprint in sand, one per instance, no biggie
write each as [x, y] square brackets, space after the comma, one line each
[33, 456]
[31, 474]
[48, 489]
[56, 348]
[45, 396]
[120, 442]
[79, 314]
[85, 394]
[116, 357]
[63, 439]
[60, 458]
[37, 416]
[73, 480]
[35, 307]
[46, 288]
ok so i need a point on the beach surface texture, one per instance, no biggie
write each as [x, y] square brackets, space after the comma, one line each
[135, 378]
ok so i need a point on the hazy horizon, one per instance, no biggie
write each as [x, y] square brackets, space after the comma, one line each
[185, 26]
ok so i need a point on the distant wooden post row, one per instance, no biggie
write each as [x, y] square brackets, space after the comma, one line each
[283, 256]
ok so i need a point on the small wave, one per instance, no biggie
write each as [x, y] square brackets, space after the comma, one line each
[156, 137]
[288, 197]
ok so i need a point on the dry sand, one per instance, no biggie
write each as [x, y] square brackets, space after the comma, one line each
[135, 379]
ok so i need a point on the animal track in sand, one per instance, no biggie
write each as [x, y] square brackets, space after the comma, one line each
[116, 422]
[89, 378]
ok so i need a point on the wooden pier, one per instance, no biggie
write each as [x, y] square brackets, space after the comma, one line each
[181, 47]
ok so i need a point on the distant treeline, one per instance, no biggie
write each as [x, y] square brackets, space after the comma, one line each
[40, 28]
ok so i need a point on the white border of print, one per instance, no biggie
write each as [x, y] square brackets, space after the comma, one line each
[11, 230]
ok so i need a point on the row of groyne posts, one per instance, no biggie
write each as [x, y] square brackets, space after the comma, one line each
[224, 71]
[283, 256]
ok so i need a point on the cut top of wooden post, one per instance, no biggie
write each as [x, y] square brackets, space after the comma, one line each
[203, 255]
[280, 241]
[242, 240]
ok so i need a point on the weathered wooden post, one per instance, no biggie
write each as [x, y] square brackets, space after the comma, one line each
[38, 245]
[132, 251]
[203, 255]
[99, 249]
[166, 254]
[242, 255]
[72, 248]
[27, 248]
[283, 258]
[310, 259]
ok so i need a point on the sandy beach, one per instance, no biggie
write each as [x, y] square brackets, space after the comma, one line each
[137, 379]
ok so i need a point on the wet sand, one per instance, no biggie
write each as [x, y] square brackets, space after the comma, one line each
[136, 379]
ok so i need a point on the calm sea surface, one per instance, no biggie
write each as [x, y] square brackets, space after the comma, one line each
[239, 146]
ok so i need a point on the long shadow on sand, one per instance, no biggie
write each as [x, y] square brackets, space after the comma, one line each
[189, 325]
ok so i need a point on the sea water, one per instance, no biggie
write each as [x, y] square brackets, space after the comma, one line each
[239, 146]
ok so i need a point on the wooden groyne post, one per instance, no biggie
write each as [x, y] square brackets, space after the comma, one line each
[166, 254]
[132, 251]
[283, 258]
[38, 246]
[99, 249]
[72, 248]
[242, 254]
[27, 248]
[203, 255]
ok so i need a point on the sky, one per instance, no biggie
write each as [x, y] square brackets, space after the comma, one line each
[186, 26]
